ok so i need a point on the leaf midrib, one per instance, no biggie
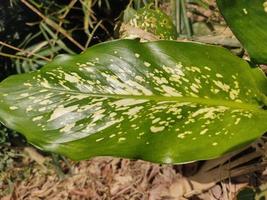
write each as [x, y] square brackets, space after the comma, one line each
[197, 100]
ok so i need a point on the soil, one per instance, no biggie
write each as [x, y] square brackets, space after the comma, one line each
[31, 175]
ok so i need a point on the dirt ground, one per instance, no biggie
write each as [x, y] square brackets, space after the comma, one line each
[31, 176]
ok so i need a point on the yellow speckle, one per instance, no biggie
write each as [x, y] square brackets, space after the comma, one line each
[221, 85]
[194, 88]
[207, 68]
[140, 78]
[99, 139]
[214, 144]
[45, 84]
[13, 107]
[122, 139]
[24, 95]
[71, 78]
[219, 75]
[90, 63]
[60, 111]
[217, 133]
[27, 84]
[170, 91]
[67, 128]
[265, 6]
[203, 131]
[182, 135]
[237, 121]
[29, 109]
[245, 11]
[42, 109]
[155, 129]
[147, 64]
[156, 120]
[37, 118]
[234, 94]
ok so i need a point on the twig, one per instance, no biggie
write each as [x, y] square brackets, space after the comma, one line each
[53, 24]
[28, 53]
[12, 56]
[87, 10]
[38, 47]
[68, 8]
[92, 33]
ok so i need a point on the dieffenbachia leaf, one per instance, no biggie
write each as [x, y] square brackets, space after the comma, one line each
[163, 101]
[248, 21]
[155, 22]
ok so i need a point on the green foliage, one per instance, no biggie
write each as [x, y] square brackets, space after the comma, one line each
[3, 134]
[7, 157]
[164, 101]
[248, 21]
[259, 193]
[246, 194]
[153, 21]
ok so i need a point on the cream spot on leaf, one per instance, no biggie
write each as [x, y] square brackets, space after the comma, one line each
[155, 129]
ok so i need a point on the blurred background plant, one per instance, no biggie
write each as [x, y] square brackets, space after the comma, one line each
[32, 32]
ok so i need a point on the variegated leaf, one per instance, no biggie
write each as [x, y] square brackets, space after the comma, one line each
[164, 101]
[152, 21]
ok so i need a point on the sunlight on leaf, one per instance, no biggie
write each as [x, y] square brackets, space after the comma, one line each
[165, 101]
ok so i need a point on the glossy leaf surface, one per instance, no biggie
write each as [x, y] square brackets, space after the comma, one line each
[162, 101]
[248, 21]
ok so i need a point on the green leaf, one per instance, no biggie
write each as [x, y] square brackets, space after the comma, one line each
[246, 194]
[248, 21]
[164, 101]
[155, 22]
[128, 14]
